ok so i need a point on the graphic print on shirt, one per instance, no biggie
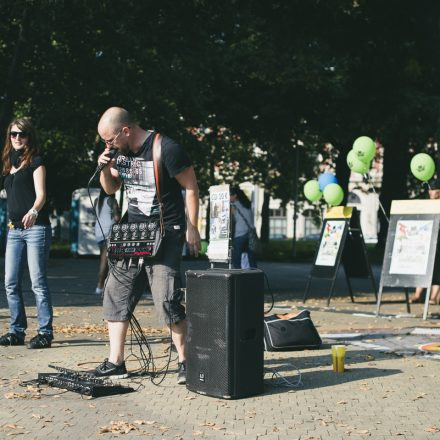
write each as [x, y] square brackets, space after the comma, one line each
[138, 176]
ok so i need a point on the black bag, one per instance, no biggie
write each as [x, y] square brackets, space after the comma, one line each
[254, 242]
[290, 332]
[141, 239]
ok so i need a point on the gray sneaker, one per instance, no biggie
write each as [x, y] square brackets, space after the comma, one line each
[110, 371]
[181, 373]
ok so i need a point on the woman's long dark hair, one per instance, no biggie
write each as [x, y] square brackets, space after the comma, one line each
[241, 196]
[30, 149]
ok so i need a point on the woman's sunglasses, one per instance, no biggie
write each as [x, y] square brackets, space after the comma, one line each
[20, 134]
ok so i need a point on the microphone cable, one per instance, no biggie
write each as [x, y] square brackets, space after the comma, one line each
[272, 298]
[146, 357]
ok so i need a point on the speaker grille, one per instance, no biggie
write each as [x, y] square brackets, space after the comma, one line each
[225, 326]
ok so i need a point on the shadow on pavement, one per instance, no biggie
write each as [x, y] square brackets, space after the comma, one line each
[326, 378]
[288, 367]
[304, 362]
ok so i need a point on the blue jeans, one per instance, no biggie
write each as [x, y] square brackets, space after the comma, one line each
[35, 244]
[240, 245]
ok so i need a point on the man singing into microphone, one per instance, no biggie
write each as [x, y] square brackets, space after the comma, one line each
[133, 165]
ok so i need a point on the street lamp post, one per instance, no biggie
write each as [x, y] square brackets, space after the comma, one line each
[295, 198]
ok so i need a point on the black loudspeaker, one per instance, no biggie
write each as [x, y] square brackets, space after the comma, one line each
[225, 309]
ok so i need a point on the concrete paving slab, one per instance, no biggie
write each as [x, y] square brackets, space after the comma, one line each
[380, 396]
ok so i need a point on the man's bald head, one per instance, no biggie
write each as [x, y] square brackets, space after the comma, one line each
[114, 119]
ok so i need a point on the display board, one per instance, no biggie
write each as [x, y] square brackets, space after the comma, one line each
[219, 224]
[411, 247]
[341, 241]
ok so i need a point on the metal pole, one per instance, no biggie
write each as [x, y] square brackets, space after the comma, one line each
[295, 201]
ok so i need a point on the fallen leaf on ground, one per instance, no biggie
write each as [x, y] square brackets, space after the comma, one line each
[118, 427]
[12, 426]
[20, 396]
[432, 429]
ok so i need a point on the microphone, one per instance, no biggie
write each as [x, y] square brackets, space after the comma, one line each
[112, 153]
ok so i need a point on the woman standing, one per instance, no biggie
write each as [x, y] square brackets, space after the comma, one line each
[29, 233]
[243, 222]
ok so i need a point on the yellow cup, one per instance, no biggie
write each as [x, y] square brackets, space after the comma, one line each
[338, 358]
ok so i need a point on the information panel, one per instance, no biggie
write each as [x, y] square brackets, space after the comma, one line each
[330, 242]
[219, 219]
[341, 241]
[411, 243]
[411, 247]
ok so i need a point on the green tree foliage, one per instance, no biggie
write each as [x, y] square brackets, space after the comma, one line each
[224, 78]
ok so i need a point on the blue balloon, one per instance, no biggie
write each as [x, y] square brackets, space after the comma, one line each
[325, 179]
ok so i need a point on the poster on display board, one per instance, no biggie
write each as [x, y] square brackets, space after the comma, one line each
[330, 242]
[410, 253]
[219, 223]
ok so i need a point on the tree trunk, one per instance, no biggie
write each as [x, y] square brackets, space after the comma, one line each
[208, 219]
[264, 231]
[394, 186]
[342, 170]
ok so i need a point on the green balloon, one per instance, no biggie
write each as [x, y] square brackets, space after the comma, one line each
[312, 191]
[355, 164]
[422, 166]
[333, 194]
[365, 148]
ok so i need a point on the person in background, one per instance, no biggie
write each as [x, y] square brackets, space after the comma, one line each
[435, 287]
[242, 221]
[107, 213]
[29, 233]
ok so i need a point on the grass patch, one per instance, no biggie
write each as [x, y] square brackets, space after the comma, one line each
[275, 250]
[60, 249]
[281, 250]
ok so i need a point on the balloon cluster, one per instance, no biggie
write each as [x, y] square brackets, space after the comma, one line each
[360, 156]
[327, 186]
[359, 160]
[422, 166]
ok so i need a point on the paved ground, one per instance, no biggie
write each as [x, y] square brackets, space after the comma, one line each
[381, 396]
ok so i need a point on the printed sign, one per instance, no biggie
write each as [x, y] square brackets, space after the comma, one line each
[330, 243]
[219, 218]
[411, 247]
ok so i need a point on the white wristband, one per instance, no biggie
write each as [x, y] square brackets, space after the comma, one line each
[33, 212]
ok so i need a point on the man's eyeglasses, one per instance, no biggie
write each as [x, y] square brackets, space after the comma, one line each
[111, 141]
[20, 134]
